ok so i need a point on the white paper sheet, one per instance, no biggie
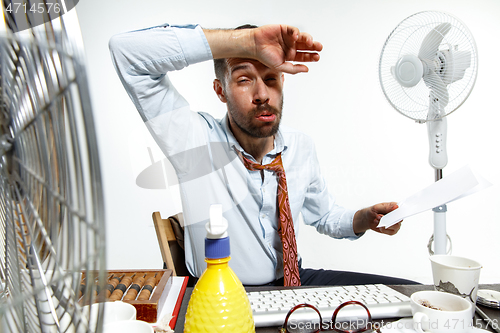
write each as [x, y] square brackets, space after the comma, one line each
[459, 184]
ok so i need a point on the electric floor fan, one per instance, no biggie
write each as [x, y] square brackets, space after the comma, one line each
[427, 69]
[51, 202]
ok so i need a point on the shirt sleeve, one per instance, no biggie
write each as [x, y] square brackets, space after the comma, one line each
[320, 208]
[142, 59]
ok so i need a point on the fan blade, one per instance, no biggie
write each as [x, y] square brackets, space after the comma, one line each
[431, 42]
[457, 62]
[434, 82]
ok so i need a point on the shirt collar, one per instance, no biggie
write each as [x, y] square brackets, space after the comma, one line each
[279, 142]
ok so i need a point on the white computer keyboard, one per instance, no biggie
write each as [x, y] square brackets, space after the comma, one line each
[270, 307]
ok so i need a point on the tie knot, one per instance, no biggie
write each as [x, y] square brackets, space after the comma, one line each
[276, 165]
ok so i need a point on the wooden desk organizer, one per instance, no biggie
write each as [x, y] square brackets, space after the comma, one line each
[149, 310]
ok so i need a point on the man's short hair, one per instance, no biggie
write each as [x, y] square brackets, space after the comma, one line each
[220, 65]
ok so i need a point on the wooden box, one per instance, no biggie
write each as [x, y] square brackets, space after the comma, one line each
[149, 310]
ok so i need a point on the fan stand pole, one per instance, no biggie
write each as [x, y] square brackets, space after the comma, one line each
[440, 237]
[438, 158]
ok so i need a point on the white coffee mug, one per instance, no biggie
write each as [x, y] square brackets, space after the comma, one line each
[456, 275]
[439, 312]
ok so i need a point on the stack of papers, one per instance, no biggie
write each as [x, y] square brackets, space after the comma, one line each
[457, 185]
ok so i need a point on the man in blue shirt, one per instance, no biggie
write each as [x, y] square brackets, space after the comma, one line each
[207, 153]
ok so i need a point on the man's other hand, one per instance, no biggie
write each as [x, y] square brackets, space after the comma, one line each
[369, 218]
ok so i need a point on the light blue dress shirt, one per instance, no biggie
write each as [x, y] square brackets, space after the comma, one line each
[203, 152]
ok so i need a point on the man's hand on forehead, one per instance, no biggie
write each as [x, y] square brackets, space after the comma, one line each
[278, 46]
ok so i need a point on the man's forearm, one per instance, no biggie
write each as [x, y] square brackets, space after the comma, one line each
[231, 43]
[280, 47]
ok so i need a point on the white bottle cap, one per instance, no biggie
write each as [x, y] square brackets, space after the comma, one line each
[217, 225]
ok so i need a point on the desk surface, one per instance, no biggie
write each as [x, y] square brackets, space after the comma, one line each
[404, 289]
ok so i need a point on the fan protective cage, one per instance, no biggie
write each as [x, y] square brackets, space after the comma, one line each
[406, 39]
[51, 203]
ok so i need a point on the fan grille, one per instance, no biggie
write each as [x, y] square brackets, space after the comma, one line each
[51, 211]
[406, 39]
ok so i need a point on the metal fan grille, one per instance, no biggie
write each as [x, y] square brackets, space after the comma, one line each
[407, 38]
[51, 206]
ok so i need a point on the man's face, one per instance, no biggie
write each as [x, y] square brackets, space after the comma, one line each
[254, 97]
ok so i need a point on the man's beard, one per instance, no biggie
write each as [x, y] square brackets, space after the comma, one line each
[244, 121]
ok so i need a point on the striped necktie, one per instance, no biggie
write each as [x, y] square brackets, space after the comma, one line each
[290, 262]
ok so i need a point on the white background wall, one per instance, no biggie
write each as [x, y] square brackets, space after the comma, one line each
[368, 152]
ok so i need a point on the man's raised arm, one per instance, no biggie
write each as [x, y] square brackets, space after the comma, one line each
[143, 57]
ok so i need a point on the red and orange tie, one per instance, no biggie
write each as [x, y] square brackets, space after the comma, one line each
[290, 262]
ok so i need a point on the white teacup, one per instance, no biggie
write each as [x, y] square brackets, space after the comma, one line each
[117, 311]
[439, 312]
[456, 275]
[113, 311]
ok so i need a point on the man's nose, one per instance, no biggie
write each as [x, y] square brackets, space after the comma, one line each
[261, 93]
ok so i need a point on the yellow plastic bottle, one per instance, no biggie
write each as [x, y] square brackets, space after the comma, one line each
[219, 302]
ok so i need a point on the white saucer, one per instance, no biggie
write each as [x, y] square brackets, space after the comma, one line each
[405, 325]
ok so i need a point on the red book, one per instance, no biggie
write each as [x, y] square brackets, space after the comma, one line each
[177, 307]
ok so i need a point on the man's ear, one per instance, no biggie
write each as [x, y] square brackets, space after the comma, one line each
[219, 90]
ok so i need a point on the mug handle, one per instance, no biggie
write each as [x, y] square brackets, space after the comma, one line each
[417, 321]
